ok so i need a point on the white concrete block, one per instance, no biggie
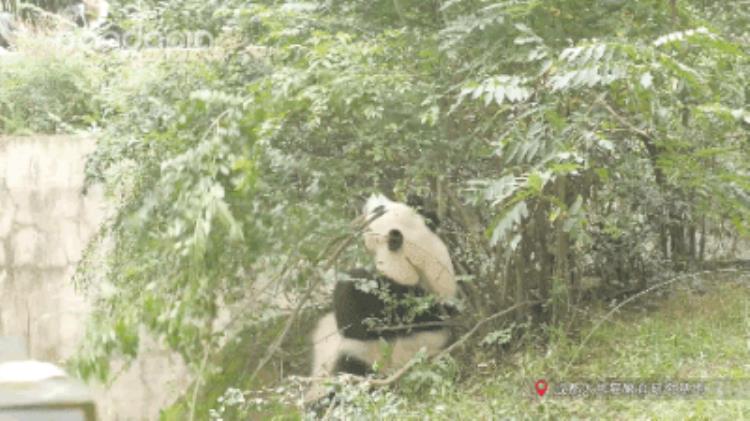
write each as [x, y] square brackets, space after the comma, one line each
[54, 255]
[24, 245]
[3, 161]
[70, 241]
[45, 162]
[7, 214]
[23, 207]
[21, 168]
[65, 205]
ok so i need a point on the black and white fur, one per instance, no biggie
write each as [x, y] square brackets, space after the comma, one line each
[412, 264]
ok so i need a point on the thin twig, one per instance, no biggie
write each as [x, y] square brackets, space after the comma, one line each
[476, 327]
[441, 323]
[626, 301]
[408, 366]
[276, 345]
[343, 242]
[403, 370]
[395, 376]
[640, 132]
[414, 361]
[196, 388]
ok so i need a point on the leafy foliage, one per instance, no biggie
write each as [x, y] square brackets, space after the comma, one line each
[49, 92]
[557, 140]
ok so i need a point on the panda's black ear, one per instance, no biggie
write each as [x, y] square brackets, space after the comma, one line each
[430, 217]
[379, 210]
[395, 240]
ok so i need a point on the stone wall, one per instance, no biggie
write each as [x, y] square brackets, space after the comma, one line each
[45, 223]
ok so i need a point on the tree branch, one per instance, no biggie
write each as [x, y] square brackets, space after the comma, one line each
[340, 243]
[481, 323]
[646, 138]
[628, 300]
[408, 366]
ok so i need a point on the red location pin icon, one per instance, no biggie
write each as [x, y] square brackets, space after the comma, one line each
[541, 387]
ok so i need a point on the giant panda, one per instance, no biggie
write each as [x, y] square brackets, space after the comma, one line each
[412, 264]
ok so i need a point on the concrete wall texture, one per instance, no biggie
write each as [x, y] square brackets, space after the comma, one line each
[45, 224]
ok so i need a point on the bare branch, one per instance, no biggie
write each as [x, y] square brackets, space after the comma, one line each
[408, 366]
[646, 138]
[628, 300]
[441, 323]
[338, 245]
[398, 374]
[481, 323]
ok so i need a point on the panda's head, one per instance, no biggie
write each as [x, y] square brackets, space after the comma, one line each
[405, 249]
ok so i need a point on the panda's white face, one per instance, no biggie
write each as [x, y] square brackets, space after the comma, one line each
[405, 249]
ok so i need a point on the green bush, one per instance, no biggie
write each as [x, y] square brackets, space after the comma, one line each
[48, 92]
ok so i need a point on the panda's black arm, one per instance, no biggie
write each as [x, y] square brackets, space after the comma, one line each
[352, 306]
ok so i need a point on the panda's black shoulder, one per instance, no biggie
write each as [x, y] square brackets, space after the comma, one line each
[352, 304]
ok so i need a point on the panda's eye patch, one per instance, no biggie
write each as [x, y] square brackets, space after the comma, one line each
[395, 240]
